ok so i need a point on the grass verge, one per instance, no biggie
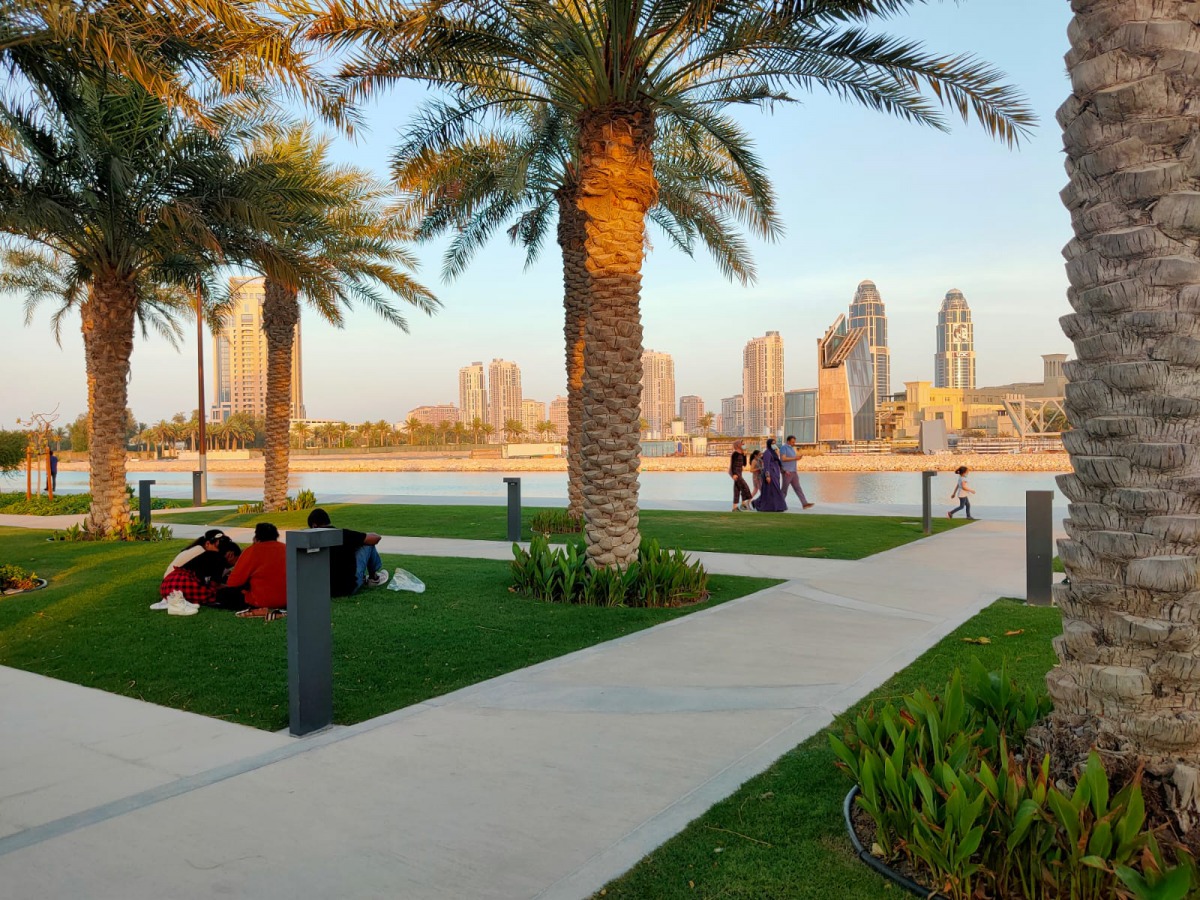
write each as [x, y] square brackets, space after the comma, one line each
[781, 834]
[91, 626]
[816, 536]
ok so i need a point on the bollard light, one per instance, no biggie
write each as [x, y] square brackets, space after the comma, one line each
[310, 629]
[197, 488]
[927, 500]
[1039, 547]
[514, 508]
[144, 500]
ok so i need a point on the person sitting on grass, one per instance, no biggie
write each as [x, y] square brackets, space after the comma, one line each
[261, 572]
[196, 571]
[355, 563]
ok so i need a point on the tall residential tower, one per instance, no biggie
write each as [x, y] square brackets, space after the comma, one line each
[472, 393]
[504, 395]
[762, 384]
[658, 391]
[866, 311]
[954, 362]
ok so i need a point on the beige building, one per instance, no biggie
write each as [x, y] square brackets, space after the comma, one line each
[560, 416]
[658, 392]
[434, 415]
[504, 395]
[691, 408]
[954, 362]
[239, 363]
[762, 384]
[733, 416]
[472, 393]
[533, 413]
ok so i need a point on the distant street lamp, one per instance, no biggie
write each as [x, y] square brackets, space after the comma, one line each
[200, 417]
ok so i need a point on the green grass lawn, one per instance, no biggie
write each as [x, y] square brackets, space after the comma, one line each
[92, 626]
[781, 835]
[821, 537]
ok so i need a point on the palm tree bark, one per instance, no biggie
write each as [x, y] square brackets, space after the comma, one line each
[280, 313]
[616, 188]
[112, 317]
[571, 235]
[1130, 648]
[88, 327]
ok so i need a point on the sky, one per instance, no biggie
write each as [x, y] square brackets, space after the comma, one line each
[861, 196]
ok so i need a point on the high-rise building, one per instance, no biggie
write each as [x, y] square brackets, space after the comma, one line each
[443, 413]
[239, 363]
[866, 311]
[559, 415]
[504, 395]
[733, 416]
[954, 362]
[845, 403]
[691, 408]
[533, 414]
[472, 394]
[762, 384]
[658, 392]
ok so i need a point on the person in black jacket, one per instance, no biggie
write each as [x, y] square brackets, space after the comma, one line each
[741, 490]
[355, 562]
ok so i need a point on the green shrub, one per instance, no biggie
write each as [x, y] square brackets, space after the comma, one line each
[659, 578]
[949, 798]
[555, 521]
[135, 530]
[14, 578]
[14, 503]
[247, 509]
[302, 500]
[12, 450]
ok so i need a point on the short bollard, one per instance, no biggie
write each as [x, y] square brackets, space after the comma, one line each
[1039, 547]
[927, 500]
[309, 629]
[514, 508]
[197, 488]
[144, 500]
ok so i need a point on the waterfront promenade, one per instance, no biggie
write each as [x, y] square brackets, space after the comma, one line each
[543, 783]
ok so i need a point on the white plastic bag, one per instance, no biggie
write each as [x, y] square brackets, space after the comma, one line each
[406, 581]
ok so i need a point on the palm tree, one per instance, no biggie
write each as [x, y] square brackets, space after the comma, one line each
[340, 249]
[301, 430]
[476, 426]
[706, 422]
[1128, 651]
[545, 429]
[487, 429]
[327, 431]
[411, 426]
[611, 68]
[514, 429]
[459, 430]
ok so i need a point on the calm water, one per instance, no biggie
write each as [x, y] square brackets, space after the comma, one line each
[993, 489]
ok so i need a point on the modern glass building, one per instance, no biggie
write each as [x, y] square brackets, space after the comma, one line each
[866, 311]
[846, 385]
[800, 415]
[954, 362]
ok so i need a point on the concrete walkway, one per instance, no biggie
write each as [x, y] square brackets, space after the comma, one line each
[544, 783]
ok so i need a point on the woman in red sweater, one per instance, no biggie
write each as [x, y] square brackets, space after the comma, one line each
[261, 572]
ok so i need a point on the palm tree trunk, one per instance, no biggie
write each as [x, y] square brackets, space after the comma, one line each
[112, 315]
[88, 327]
[280, 313]
[616, 188]
[571, 235]
[1130, 648]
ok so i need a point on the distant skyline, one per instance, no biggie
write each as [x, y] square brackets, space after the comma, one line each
[861, 196]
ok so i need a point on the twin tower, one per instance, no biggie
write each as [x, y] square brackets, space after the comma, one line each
[954, 361]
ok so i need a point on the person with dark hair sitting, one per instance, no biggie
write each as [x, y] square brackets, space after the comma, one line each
[261, 572]
[195, 573]
[355, 562]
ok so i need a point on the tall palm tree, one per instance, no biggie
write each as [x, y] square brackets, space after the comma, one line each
[613, 67]
[340, 250]
[411, 426]
[301, 430]
[706, 422]
[1129, 647]
[522, 169]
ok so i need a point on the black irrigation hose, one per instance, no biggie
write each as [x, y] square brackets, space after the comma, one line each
[866, 856]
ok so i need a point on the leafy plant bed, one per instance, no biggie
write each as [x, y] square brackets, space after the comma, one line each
[16, 580]
[91, 626]
[14, 503]
[861, 827]
[806, 535]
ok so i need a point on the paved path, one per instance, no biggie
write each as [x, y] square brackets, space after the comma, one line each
[544, 783]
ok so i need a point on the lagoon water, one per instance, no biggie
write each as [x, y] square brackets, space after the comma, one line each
[993, 489]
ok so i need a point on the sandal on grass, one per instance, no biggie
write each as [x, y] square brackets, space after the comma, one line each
[261, 612]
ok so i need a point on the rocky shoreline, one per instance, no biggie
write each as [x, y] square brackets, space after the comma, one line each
[897, 462]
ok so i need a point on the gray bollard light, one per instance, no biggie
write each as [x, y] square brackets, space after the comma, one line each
[144, 499]
[309, 629]
[1039, 547]
[927, 500]
[514, 508]
[197, 488]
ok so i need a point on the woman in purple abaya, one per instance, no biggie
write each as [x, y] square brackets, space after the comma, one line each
[771, 498]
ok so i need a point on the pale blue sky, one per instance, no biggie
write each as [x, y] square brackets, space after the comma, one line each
[861, 195]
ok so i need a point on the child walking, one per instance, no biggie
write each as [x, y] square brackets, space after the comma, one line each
[960, 491]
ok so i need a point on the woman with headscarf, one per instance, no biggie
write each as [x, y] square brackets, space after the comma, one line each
[771, 498]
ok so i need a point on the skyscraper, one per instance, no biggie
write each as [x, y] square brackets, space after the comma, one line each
[658, 391]
[559, 415]
[691, 408]
[762, 384]
[845, 408]
[472, 394]
[504, 395]
[866, 311]
[733, 416]
[533, 414]
[240, 357]
[954, 362]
